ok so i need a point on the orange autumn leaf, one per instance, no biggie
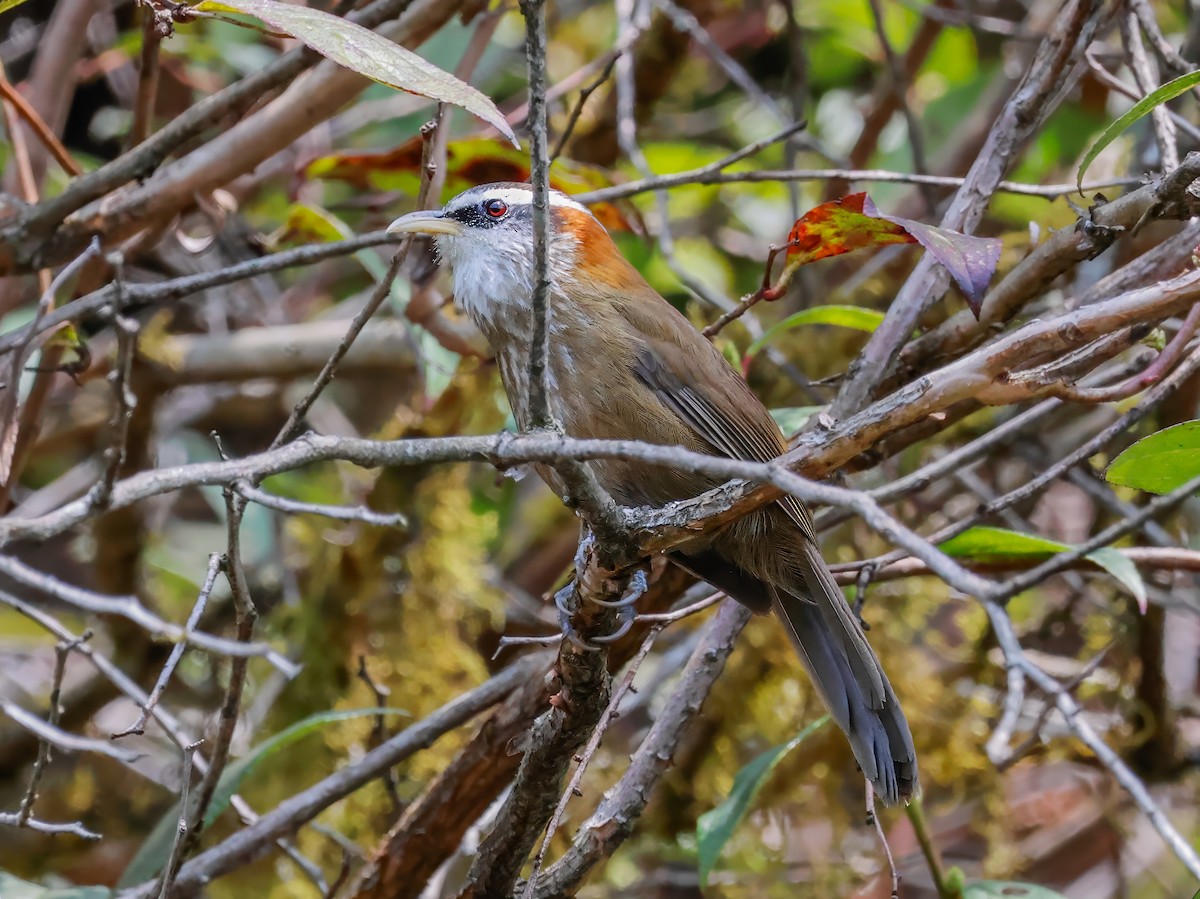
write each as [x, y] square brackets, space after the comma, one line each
[854, 223]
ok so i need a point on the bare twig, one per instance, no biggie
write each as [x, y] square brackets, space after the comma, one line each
[247, 615]
[615, 817]
[1146, 78]
[338, 513]
[215, 564]
[379, 729]
[126, 400]
[38, 125]
[577, 110]
[128, 607]
[51, 733]
[873, 820]
[184, 827]
[713, 173]
[124, 296]
[62, 651]
[147, 91]
[899, 87]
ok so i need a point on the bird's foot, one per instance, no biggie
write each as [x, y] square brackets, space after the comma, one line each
[626, 614]
[638, 584]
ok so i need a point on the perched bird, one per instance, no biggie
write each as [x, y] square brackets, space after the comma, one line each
[624, 364]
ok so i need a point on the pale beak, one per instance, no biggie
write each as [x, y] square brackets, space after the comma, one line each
[429, 221]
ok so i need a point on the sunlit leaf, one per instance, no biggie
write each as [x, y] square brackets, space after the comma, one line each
[715, 827]
[792, 418]
[1160, 463]
[854, 223]
[999, 543]
[997, 889]
[367, 53]
[14, 888]
[307, 224]
[5, 6]
[156, 848]
[987, 543]
[1148, 103]
[856, 317]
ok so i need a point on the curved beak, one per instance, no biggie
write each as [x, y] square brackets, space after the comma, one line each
[429, 221]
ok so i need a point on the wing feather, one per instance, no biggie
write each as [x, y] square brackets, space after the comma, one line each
[743, 430]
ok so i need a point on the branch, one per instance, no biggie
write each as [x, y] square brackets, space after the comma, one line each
[251, 842]
[617, 814]
[123, 296]
[1052, 73]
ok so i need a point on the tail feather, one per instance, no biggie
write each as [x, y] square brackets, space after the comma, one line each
[873, 722]
[838, 658]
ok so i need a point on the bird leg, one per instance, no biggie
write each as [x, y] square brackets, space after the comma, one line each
[590, 584]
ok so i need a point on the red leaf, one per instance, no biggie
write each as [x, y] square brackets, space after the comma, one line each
[854, 223]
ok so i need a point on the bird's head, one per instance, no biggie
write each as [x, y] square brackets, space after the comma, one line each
[485, 236]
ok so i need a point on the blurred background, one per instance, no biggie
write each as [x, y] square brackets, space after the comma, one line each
[410, 617]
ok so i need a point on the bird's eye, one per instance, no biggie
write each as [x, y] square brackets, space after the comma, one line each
[495, 208]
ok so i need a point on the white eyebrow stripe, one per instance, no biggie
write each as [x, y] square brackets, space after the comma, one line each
[517, 196]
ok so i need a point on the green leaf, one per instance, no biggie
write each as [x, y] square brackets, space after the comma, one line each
[856, 317]
[792, 418]
[5, 6]
[715, 827]
[1168, 91]
[1000, 543]
[14, 888]
[156, 848]
[1160, 463]
[308, 223]
[1007, 889]
[1122, 568]
[367, 53]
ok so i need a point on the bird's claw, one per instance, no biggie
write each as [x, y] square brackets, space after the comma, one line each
[637, 586]
[562, 601]
[635, 590]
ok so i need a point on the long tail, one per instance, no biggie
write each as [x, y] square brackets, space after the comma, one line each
[839, 660]
[850, 679]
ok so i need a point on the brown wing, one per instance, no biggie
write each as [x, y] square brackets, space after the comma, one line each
[717, 404]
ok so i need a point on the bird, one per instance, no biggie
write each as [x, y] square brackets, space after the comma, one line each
[622, 363]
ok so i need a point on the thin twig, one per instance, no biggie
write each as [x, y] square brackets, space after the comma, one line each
[38, 125]
[247, 615]
[62, 651]
[128, 607]
[379, 730]
[584, 95]
[130, 295]
[147, 90]
[873, 820]
[1146, 79]
[712, 174]
[338, 513]
[899, 87]
[126, 400]
[215, 564]
[183, 828]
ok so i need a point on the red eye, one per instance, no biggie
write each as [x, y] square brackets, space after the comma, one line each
[495, 208]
